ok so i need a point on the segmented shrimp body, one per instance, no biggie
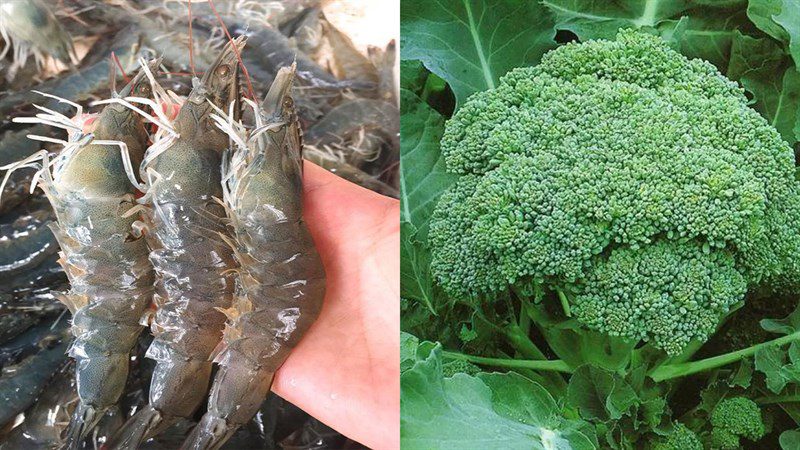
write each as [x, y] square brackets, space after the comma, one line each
[194, 265]
[282, 280]
[108, 269]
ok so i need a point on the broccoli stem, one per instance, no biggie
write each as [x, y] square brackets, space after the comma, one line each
[670, 371]
[564, 302]
[549, 365]
[531, 374]
[524, 321]
[771, 400]
[523, 344]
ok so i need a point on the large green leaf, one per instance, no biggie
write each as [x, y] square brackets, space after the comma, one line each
[472, 43]
[415, 277]
[512, 394]
[504, 411]
[781, 367]
[789, 19]
[707, 36]
[763, 69]
[771, 361]
[762, 12]
[412, 75]
[408, 351]
[595, 19]
[600, 395]
[422, 172]
[790, 440]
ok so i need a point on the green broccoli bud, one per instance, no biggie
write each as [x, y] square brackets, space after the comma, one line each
[607, 152]
[735, 418]
[680, 438]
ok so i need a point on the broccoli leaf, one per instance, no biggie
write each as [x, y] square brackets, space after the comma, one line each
[415, 260]
[472, 43]
[781, 367]
[787, 325]
[600, 395]
[491, 410]
[762, 68]
[743, 375]
[422, 172]
[408, 350]
[770, 361]
[708, 36]
[594, 19]
[762, 12]
[789, 19]
[412, 75]
[790, 440]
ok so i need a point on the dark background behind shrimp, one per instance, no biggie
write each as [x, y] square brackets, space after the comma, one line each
[347, 99]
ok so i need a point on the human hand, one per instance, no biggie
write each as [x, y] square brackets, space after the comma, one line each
[346, 369]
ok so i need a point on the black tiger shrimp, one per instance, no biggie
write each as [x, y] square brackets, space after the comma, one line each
[281, 281]
[194, 265]
[106, 262]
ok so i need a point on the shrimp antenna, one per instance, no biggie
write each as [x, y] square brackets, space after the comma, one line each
[78, 108]
[126, 162]
[129, 105]
[121, 69]
[28, 162]
[191, 43]
[112, 73]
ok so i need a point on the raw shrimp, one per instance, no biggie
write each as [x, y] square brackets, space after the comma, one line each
[80, 85]
[30, 27]
[111, 277]
[336, 163]
[350, 117]
[47, 418]
[195, 266]
[281, 282]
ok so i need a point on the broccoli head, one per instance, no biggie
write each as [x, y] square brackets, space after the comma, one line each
[735, 418]
[626, 175]
[680, 438]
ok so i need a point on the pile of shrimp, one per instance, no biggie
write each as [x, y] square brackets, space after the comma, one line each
[167, 218]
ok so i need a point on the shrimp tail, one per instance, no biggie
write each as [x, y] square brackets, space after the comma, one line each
[235, 398]
[84, 419]
[144, 424]
[209, 434]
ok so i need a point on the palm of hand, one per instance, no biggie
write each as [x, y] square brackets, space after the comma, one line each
[345, 371]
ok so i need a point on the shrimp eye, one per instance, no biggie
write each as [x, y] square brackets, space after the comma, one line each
[288, 102]
[223, 70]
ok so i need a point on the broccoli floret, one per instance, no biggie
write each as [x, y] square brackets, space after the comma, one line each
[680, 438]
[670, 291]
[635, 180]
[735, 418]
[455, 366]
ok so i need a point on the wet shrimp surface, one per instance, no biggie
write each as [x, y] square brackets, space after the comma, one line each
[155, 266]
